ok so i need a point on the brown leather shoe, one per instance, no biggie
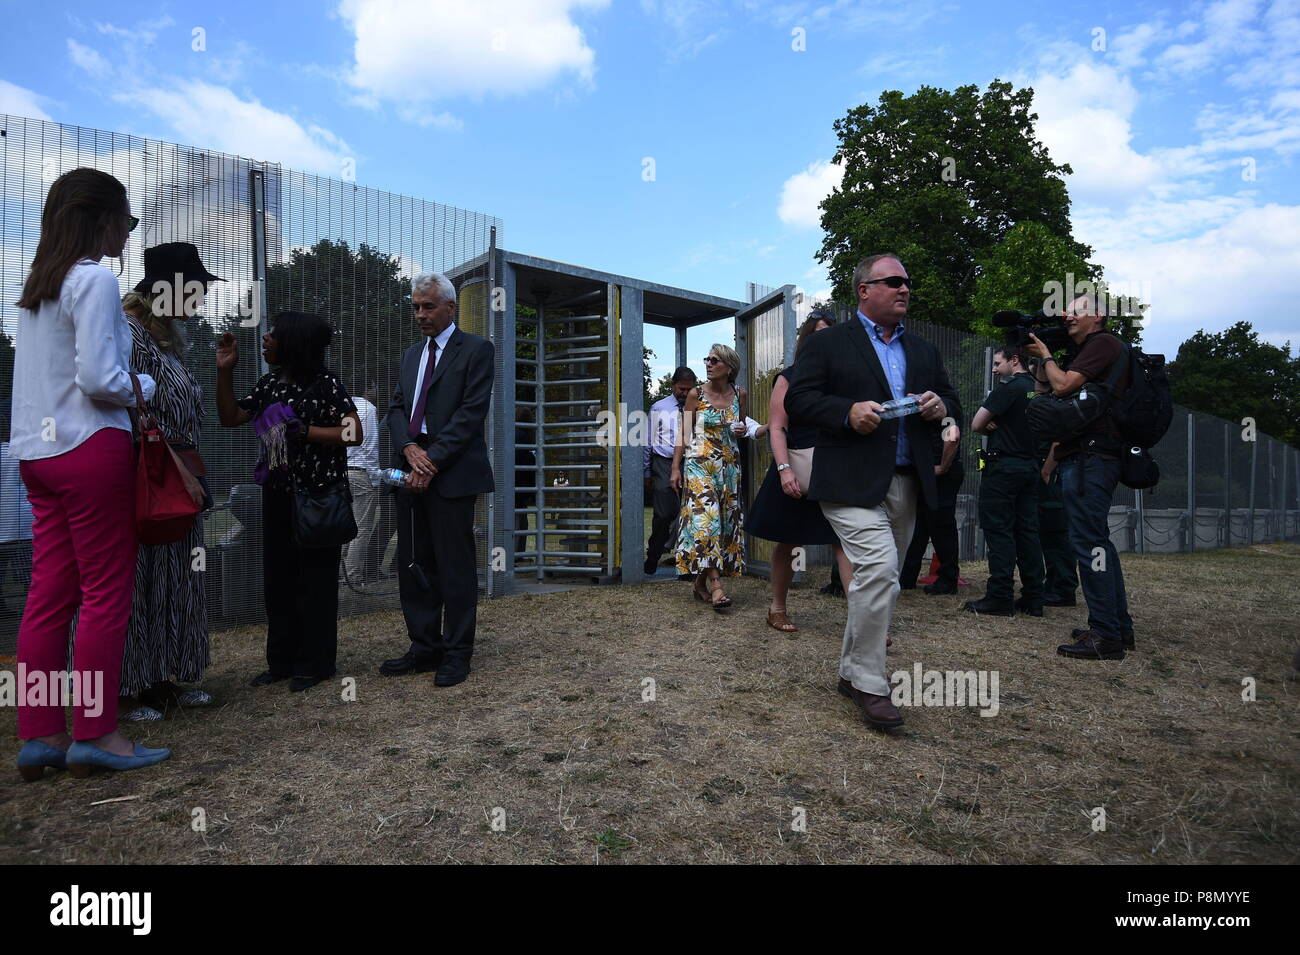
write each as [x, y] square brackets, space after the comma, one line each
[877, 711]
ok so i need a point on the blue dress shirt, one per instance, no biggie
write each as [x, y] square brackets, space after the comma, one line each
[894, 361]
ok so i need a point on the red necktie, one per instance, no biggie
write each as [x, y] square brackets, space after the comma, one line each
[417, 416]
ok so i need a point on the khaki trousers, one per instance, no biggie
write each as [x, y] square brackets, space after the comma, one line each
[365, 510]
[875, 540]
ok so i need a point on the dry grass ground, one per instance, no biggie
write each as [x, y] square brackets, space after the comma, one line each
[746, 728]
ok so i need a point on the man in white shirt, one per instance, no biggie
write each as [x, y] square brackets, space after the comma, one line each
[664, 417]
[363, 465]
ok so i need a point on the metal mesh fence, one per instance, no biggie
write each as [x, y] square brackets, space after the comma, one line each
[281, 240]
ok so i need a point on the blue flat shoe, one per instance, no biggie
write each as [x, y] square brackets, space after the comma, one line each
[35, 756]
[83, 758]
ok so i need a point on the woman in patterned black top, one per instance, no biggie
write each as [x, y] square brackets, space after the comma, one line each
[303, 451]
[167, 638]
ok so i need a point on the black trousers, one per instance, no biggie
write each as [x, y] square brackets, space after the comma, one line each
[301, 588]
[940, 526]
[439, 531]
[667, 507]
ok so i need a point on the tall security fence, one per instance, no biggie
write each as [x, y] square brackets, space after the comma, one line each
[280, 240]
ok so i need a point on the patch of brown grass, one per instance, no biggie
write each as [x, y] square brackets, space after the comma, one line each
[746, 730]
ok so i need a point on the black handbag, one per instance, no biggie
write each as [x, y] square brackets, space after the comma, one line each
[1138, 469]
[323, 518]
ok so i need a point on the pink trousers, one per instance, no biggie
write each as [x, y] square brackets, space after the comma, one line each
[83, 555]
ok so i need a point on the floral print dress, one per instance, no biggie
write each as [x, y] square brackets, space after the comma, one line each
[712, 522]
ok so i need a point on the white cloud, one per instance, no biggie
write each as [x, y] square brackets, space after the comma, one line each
[88, 59]
[412, 52]
[217, 118]
[19, 101]
[803, 192]
[1243, 268]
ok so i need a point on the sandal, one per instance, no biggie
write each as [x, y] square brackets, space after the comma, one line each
[777, 620]
[718, 605]
[700, 595]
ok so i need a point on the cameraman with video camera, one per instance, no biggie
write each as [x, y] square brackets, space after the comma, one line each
[1089, 463]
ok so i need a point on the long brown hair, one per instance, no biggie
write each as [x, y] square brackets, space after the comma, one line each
[80, 207]
[817, 316]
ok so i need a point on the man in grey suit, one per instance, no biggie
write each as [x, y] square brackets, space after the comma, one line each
[435, 421]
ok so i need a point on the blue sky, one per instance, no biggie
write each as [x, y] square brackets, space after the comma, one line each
[1179, 119]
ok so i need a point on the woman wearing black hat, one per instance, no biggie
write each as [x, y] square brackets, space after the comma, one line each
[168, 635]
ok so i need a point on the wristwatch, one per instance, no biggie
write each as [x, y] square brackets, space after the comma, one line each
[782, 467]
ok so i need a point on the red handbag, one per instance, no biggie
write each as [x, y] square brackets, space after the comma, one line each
[168, 497]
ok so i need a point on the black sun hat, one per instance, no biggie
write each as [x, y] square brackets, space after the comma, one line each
[163, 263]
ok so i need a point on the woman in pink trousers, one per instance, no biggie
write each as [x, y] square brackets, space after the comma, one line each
[72, 436]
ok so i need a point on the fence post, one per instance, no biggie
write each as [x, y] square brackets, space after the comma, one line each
[1227, 484]
[1250, 518]
[1286, 526]
[1140, 543]
[1191, 483]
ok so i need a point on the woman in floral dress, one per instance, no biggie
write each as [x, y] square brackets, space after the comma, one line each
[711, 544]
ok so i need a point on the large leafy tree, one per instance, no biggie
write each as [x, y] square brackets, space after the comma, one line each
[1234, 375]
[940, 177]
[363, 294]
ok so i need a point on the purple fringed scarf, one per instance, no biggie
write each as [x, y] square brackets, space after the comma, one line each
[270, 428]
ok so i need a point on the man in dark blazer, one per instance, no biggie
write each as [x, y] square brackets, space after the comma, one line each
[435, 422]
[868, 471]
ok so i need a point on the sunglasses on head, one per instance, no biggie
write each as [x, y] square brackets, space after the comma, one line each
[893, 281]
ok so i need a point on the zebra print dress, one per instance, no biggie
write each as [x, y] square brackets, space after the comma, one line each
[167, 638]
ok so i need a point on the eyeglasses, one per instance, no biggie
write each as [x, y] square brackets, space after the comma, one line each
[893, 281]
[711, 359]
[134, 222]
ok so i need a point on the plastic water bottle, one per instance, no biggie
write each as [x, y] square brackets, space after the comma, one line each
[898, 407]
[392, 477]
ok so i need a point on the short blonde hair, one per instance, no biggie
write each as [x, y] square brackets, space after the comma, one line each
[729, 356]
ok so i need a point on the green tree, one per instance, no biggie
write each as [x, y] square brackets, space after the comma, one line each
[940, 177]
[1234, 375]
[1021, 271]
[363, 294]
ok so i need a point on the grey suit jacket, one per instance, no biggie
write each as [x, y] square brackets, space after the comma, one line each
[457, 405]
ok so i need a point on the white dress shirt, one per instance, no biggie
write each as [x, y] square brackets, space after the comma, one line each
[71, 364]
[441, 338]
[366, 454]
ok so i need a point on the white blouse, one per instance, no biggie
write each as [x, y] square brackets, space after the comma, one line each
[71, 363]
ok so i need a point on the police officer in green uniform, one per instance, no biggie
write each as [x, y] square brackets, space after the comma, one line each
[1008, 503]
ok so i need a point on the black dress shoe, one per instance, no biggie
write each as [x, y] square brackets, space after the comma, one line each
[266, 678]
[990, 608]
[832, 590]
[650, 567]
[1092, 646]
[409, 663]
[1032, 607]
[1126, 639]
[906, 586]
[1058, 600]
[938, 588]
[299, 683]
[451, 673]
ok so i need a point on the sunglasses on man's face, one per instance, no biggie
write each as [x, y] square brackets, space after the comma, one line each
[893, 281]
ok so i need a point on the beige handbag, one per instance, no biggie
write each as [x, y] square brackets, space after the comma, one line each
[801, 461]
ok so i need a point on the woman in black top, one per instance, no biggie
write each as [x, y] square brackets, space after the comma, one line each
[303, 449]
[781, 512]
